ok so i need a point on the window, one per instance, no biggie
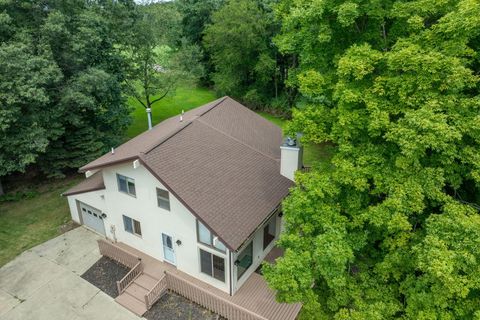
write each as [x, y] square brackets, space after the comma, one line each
[163, 199]
[244, 260]
[132, 225]
[269, 233]
[126, 185]
[205, 236]
[212, 265]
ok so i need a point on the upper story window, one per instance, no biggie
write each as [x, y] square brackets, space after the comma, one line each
[126, 185]
[163, 199]
[205, 236]
[132, 226]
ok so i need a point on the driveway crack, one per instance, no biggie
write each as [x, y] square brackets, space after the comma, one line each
[88, 301]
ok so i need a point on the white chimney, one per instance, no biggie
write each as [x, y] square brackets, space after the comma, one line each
[291, 158]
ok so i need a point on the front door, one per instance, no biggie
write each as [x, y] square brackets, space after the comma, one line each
[168, 250]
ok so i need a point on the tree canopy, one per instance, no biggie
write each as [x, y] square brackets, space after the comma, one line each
[61, 82]
[391, 227]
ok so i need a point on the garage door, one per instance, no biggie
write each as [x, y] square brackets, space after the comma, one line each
[92, 218]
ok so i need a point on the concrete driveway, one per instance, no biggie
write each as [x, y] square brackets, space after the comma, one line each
[44, 282]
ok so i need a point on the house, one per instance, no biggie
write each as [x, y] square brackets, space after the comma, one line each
[200, 192]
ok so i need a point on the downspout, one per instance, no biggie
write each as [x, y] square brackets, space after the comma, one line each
[231, 271]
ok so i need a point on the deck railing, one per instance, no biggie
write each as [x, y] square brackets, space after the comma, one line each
[116, 253]
[156, 292]
[133, 274]
[209, 300]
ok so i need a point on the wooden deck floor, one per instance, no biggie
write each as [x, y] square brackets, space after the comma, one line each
[254, 295]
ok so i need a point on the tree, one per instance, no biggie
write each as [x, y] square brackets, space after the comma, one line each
[157, 65]
[196, 15]
[62, 74]
[243, 56]
[391, 228]
[26, 80]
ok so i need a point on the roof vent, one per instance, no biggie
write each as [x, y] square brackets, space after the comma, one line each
[181, 116]
[113, 151]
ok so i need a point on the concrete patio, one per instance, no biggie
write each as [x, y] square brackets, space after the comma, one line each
[44, 282]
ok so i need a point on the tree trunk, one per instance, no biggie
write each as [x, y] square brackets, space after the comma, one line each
[1, 188]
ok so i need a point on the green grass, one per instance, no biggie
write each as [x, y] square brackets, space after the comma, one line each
[312, 153]
[27, 222]
[185, 98]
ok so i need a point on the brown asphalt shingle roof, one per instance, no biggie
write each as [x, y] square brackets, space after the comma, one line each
[222, 162]
[94, 182]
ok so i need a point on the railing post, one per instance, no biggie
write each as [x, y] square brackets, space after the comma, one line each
[118, 288]
[146, 302]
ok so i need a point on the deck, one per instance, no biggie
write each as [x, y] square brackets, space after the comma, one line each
[253, 301]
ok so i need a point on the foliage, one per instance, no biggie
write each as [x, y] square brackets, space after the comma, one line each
[392, 229]
[246, 63]
[61, 77]
[156, 67]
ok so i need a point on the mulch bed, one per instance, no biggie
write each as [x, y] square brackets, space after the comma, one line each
[104, 274]
[172, 306]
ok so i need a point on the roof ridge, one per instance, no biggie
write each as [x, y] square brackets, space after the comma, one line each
[187, 123]
[239, 141]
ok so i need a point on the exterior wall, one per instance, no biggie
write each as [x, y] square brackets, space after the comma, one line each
[178, 222]
[258, 252]
[94, 199]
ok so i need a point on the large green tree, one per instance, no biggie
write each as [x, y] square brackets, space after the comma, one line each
[61, 81]
[245, 60]
[391, 227]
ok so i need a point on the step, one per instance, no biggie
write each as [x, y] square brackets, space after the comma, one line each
[146, 281]
[137, 291]
[131, 304]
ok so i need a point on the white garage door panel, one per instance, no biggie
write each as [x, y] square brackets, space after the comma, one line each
[92, 218]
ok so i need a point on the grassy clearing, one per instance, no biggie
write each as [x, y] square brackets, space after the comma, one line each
[185, 98]
[30, 221]
[312, 153]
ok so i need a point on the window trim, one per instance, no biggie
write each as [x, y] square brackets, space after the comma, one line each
[212, 265]
[163, 198]
[134, 229]
[127, 179]
[209, 245]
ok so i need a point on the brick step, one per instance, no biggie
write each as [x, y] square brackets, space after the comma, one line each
[131, 303]
[146, 281]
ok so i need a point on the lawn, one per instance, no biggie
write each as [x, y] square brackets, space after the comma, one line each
[36, 218]
[312, 153]
[185, 98]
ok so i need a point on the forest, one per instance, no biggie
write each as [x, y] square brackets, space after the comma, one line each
[387, 227]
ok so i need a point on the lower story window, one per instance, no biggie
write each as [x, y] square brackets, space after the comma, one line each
[132, 225]
[212, 265]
